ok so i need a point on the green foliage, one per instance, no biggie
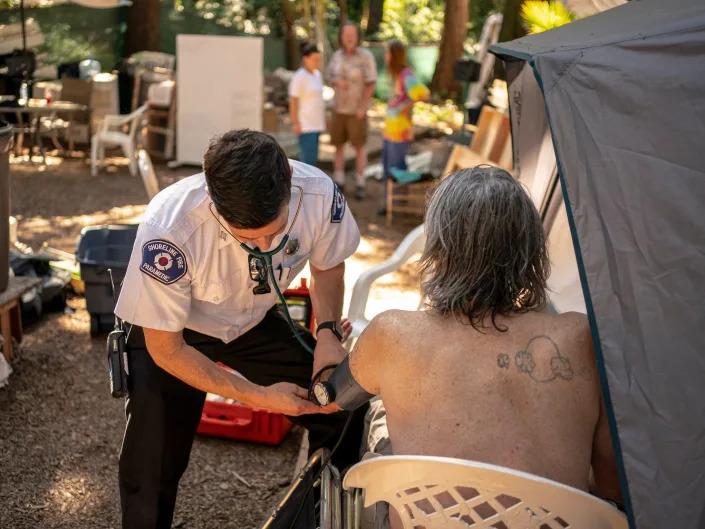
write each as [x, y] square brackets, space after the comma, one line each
[254, 17]
[63, 45]
[479, 11]
[73, 33]
[539, 16]
[443, 114]
[412, 21]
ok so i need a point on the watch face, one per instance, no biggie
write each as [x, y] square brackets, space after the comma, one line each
[321, 394]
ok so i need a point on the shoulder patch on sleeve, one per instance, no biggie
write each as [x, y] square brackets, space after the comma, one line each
[337, 209]
[163, 261]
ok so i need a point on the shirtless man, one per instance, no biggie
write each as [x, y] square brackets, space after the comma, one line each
[482, 374]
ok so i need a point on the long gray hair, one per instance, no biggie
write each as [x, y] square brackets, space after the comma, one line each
[485, 250]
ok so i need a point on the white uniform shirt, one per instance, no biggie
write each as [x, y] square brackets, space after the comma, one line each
[186, 271]
[308, 88]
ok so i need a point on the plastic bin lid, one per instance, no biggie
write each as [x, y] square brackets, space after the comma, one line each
[106, 244]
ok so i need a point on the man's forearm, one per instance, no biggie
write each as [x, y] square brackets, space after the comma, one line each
[367, 94]
[195, 369]
[327, 292]
[293, 110]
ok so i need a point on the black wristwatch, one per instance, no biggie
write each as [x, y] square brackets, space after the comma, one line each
[333, 326]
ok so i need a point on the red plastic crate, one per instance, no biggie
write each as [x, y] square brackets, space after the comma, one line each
[238, 421]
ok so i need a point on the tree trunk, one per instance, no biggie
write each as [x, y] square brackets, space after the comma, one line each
[512, 28]
[343, 6]
[376, 8]
[142, 27]
[454, 32]
[307, 17]
[321, 31]
[292, 53]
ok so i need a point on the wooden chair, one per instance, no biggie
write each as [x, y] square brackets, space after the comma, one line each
[440, 492]
[78, 91]
[491, 144]
[11, 311]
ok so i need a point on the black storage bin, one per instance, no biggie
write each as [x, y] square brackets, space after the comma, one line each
[466, 70]
[100, 248]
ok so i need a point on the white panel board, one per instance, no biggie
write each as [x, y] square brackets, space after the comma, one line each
[219, 88]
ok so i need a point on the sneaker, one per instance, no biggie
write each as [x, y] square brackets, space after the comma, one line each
[359, 193]
[382, 212]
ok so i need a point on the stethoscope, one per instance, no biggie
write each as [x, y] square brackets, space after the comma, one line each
[267, 256]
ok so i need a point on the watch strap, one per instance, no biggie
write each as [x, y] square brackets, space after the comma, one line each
[333, 326]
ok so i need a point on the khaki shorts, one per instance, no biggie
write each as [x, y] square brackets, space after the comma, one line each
[346, 127]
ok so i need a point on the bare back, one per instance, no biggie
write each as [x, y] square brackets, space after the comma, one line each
[527, 398]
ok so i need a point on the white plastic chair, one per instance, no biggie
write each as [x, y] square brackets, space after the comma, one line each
[154, 59]
[111, 134]
[410, 246]
[149, 177]
[440, 492]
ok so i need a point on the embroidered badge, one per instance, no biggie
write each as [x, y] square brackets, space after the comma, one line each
[163, 261]
[292, 246]
[338, 207]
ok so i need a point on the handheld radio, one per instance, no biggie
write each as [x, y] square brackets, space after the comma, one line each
[117, 353]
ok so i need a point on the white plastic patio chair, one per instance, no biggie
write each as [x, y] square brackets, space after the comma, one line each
[154, 59]
[440, 492]
[149, 177]
[409, 246]
[111, 134]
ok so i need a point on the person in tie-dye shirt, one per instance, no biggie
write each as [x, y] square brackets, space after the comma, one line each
[405, 90]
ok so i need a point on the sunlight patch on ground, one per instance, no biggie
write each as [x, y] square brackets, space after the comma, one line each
[70, 493]
[51, 161]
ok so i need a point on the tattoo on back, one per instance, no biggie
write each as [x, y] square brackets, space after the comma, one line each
[540, 359]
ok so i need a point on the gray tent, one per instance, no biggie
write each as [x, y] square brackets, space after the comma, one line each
[616, 102]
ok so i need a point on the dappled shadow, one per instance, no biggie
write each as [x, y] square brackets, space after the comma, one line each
[59, 428]
[53, 206]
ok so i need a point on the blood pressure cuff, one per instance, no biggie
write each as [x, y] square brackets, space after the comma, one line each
[348, 394]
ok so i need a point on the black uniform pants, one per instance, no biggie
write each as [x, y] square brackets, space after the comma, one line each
[163, 414]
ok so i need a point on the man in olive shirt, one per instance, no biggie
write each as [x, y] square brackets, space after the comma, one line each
[353, 73]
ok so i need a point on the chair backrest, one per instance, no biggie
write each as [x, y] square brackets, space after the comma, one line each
[438, 492]
[492, 132]
[136, 120]
[412, 244]
[77, 91]
[491, 143]
[149, 177]
[154, 59]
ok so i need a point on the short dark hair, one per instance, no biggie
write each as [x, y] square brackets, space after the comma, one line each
[307, 48]
[248, 177]
[485, 250]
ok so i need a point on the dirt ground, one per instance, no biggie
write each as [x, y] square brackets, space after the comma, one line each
[60, 431]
